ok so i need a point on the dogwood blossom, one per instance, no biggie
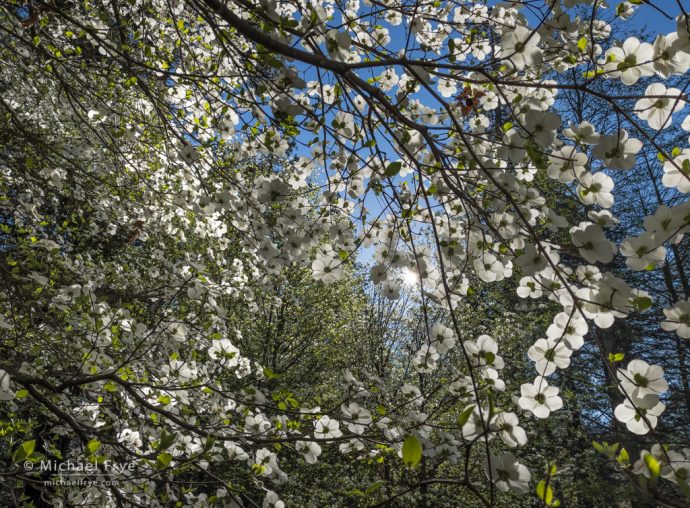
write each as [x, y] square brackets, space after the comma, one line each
[520, 47]
[630, 61]
[657, 111]
[617, 151]
[677, 172]
[549, 354]
[508, 473]
[641, 417]
[539, 398]
[678, 319]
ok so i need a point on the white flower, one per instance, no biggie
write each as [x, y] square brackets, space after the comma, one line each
[630, 62]
[677, 172]
[5, 392]
[678, 319]
[529, 287]
[309, 449]
[657, 111]
[571, 328]
[513, 146]
[442, 338]
[256, 424]
[592, 244]
[566, 164]
[223, 351]
[640, 379]
[490, 269]
[476, 425]
[426, 359]
[595, 189]
[542, 126]
[447, 87]
[508, 474]
[271, 142]
[235, 452]
[325, 428]
[272, 501]
[675, 466]
[602, 217]
[507, 426]
[490, 377]
[130, 437]
[391, 290]
[532, 261]
[483, 352]
[344, 124]
[584, 133]
[377, 273]
[412, 394]
[669, 56]
[549, 354]
[617, 150]
[643, 252]
[462, 387]
[519, 46]
[605, 299]
[327, 268]
[358, 417]
[539, 398]
[648, 408]
[664, 221]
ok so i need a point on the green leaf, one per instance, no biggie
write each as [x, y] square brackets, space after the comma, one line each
[374, 487]
[24, 451]
[545, 492]
[653, 465]
[393, 168]
[270, 374]
[642, 302]
[163, 460]
[109, 386]
[465, 416]
[582, 43]
[411, 451]
[606, 449]
[623, 457]
[675, 152]
[93, 446]
[617, 357]
[167, 439]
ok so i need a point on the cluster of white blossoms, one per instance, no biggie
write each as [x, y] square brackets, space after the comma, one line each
[440, 158]
[641, 384]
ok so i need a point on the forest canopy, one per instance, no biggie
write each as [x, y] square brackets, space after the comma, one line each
[274, 253]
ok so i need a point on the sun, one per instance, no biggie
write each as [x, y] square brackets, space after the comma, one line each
[410, 277]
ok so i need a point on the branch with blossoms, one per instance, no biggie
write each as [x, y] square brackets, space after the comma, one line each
[432, 133]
